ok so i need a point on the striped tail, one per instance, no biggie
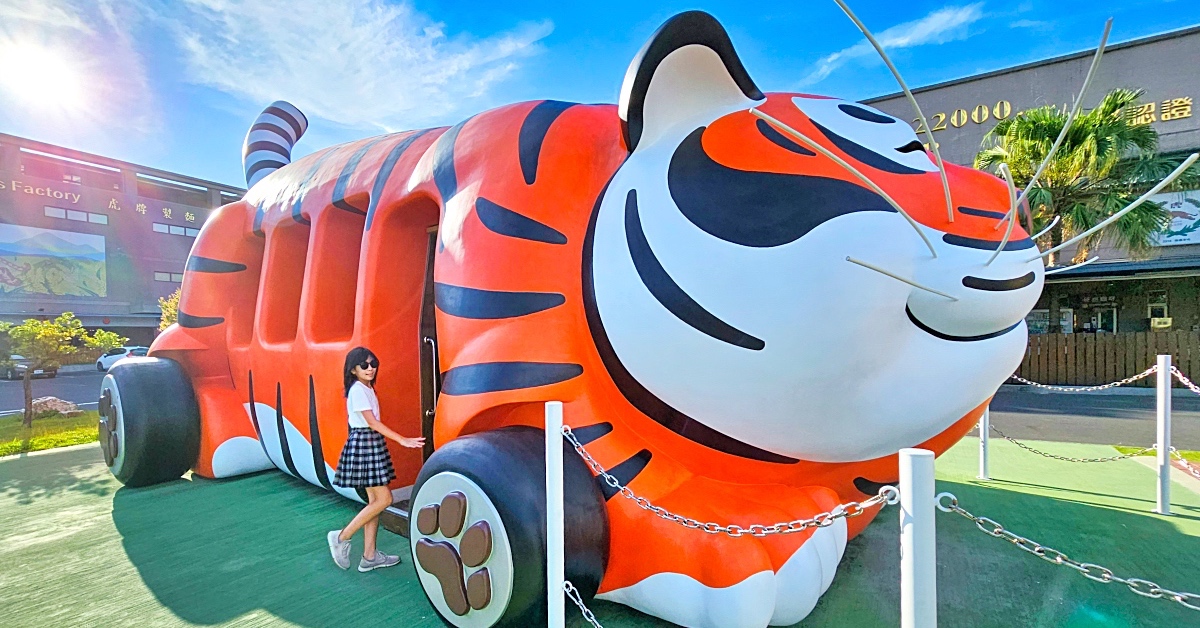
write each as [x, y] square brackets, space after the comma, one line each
[269, 142]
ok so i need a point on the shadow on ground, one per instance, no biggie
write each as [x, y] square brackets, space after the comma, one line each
[213, 550]
[986, 582]
[50, 475]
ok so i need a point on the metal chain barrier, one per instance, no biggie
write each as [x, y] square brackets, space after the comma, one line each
[1188, 467]
[1067, 458]
[573, 594]
[887, 495]
[947, 502]
[1184, 380]
[1072, 389]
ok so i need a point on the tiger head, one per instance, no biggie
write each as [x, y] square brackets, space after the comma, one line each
[718, 284]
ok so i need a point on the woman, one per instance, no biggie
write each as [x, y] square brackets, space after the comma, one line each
[365, 462]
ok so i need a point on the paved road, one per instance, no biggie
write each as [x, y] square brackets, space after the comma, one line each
[1019, 412]
[79, 388]
[1093, 418]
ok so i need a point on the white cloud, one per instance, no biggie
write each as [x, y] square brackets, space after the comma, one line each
[943, 25]
[361, 63]
[82, 72]
[1034, 24]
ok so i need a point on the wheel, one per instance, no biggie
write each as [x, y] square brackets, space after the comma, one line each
[478, 528]
[52, 374]
[11, 374]
[99, 366]
[149, 421]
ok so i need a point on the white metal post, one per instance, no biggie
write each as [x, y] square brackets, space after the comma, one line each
[985, 426]
[1164, 435]
[555, 542]
[918, 540]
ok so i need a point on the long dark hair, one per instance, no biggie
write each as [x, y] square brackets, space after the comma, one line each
[357, 356]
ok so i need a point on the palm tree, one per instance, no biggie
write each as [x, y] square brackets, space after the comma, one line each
[1104, 163]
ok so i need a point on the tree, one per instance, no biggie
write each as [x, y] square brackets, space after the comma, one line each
[45, 344]
[1106, 161]
[170, 309]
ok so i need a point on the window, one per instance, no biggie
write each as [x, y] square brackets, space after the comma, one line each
[1157, 306]
[191, 233]
[56, 212]
[99, 219]
[76, 215]
[176, 230]
[161, 228]
[336, 243]
[117, 351]
[171, 191]
[162, 276]
[283, 271]
[72, 178]
[177, 277]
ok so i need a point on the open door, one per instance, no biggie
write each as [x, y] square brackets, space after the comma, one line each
[431, 376]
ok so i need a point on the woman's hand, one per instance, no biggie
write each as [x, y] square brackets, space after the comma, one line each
[413, 443]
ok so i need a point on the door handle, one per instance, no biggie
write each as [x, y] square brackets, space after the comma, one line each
[436, 366]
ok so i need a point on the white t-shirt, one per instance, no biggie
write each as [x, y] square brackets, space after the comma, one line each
[361, 397]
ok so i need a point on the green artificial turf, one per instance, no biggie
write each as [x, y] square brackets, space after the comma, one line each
[78, 549]
[47, 432]
[1190, 456]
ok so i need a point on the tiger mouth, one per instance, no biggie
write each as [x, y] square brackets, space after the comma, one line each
[944, 336]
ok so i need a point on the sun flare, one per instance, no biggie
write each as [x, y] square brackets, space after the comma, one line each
[40, 77]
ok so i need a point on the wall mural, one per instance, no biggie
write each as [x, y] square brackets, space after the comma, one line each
[53, 262]
[747, 303]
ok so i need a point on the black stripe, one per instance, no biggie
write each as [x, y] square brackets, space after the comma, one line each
[998, 285]
[508, 222]
[273, 128]
[982, 213]
[267, 146]
[195, 322]
[642, 399]
[986, 245]
[444, 175]
[780, 139]
[283, 443]
[533, 133]
[625, 472]
[314, 431]
[305, 187]
[254, 417]
[868, 487]
[260, 212]
[209, 265]
[933, 332]
[864, 154]
[473, 379]
[263, 165]
[343, 180]
[589, 433]
[385, 171]
[297, 129]
[466, 302]
[668, 293]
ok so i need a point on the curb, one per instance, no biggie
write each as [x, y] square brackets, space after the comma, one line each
[1119, 391]
[49, 451]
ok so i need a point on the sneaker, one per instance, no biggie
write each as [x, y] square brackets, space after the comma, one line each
[380, 560]
[339, 548]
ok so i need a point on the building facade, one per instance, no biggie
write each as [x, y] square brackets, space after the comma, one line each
[102, 238]
[1117, 293]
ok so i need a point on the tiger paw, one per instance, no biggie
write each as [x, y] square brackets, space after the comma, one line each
[456, 554]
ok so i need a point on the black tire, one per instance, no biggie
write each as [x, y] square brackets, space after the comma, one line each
[52, 374]
[99, 366]
[508, 465]
[10, 375]
[149, 421]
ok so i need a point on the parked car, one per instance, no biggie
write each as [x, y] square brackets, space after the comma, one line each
[105, 362]
[19, 364]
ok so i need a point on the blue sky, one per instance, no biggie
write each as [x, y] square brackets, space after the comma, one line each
[175, 84]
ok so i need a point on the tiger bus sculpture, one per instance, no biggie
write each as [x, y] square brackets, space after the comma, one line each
[674, 269]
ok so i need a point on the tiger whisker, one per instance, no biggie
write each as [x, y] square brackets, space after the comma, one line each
[898, 277]
[1012, 211]
[784, 128]
[937, 154]
[1070, 118]
[1128, 208]
[1065, 268]
[1046, 230]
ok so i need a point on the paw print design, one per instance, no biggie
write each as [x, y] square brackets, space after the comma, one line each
[457, 560]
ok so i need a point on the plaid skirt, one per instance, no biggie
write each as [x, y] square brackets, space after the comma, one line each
[365, 460]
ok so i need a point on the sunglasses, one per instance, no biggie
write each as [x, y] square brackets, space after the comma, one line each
[368, 364]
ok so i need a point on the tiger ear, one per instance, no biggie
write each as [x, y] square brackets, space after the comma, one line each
[687, 68]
